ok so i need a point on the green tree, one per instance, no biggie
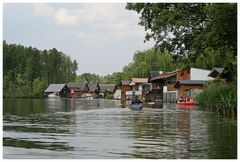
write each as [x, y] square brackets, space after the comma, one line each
[192, 31]
[88, 78]
[39, 85]
[27, 68]
[149, 60]
[172, 26]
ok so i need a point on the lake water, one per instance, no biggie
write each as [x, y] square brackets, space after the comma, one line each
[101, 129]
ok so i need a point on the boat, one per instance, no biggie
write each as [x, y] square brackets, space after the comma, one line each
[53, 95]
[186, 103]
[136, 106]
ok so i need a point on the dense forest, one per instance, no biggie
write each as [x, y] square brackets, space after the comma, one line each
[28, 71]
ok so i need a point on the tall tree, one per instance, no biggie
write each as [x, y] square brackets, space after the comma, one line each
[27, 71]
[173, 26]
[190, 31]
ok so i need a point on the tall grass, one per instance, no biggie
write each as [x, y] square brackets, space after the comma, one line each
[219, 96]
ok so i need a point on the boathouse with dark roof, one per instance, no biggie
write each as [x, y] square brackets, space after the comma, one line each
[61, 89]
[77, 89]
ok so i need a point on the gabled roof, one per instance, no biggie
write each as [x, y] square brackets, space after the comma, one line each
[199, 74]
[164, 75]
[107, 87]
[92, 87]
[189, 82]
[125, 82]
[54, 88]
[216, 71]
[140, 80]
[76, 85]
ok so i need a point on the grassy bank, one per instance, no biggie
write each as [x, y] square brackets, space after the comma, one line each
[220, 96]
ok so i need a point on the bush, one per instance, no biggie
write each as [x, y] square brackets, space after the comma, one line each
[109, 96]
[219, 96]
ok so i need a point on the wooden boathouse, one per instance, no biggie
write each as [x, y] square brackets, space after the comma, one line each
[189, 88]
[57, 89]
[78, 89]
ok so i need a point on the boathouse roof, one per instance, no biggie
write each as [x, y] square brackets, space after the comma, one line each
[54, 88]
[164, 76]
[125, 82]
[107, 88]
[140, 80]
[92, 87]
[215, 72]
[76, 85]
[188, 82]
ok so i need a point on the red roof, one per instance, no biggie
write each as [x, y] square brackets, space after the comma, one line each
[164, 76]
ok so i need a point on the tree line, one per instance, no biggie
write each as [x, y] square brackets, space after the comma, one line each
[28, 71]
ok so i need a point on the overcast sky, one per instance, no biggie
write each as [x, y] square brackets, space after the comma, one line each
[101, 37]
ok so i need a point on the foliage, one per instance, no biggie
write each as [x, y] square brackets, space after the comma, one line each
[108, 96]
[39, 85]
[188, 30]
[28, 71]
[220, 96]
[150, 60]
[214, 58]
[173, 26]
[88, 78]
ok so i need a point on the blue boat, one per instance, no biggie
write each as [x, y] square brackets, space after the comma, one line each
[136, 106]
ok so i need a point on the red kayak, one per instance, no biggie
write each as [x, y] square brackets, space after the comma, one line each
[186, 103]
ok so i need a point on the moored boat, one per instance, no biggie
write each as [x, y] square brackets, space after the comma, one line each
[136, 106]
[186, 103]
[53, 95]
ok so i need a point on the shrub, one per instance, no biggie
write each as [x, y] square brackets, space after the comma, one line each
[219, 96]
[109, 96]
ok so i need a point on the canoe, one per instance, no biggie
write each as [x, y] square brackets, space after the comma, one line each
[186, 103]
[136, 106]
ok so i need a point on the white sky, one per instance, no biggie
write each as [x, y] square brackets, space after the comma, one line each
[101, 37]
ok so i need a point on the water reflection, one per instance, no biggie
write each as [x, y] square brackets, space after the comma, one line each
[73, 128]
[59, 146]
[160, 135]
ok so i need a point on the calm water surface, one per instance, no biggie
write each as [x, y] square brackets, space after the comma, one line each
[101, 129]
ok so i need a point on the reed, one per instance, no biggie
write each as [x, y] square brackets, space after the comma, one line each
[219, 96]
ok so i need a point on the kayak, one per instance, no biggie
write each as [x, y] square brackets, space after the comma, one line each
[136, 106]
[186, 103]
